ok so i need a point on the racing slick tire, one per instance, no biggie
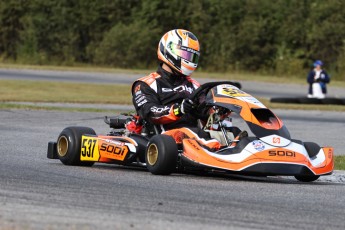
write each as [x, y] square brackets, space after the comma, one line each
[161, 155]
[307, 178]
[312, 148]
[69, 144]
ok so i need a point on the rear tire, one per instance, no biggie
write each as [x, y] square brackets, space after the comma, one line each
[307, 178]
[312, 149]
[161, 155]
[69, 144]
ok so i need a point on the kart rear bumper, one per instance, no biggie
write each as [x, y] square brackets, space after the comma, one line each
[52, 151]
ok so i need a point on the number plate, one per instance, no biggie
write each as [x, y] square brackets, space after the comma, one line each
[89, 149]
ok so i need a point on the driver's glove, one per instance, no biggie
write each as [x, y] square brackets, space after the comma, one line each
[186, 106]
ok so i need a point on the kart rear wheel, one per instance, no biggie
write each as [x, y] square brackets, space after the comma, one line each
[69, 144]
[161, 155]
[307, 178]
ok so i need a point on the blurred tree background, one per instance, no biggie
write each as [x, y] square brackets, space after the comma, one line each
[281, 37]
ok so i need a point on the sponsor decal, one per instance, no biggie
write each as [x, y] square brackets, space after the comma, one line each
[194, 145]
[114, 142]
[258, 145]
[253, 100]
[281, 153]
[232, 92]
[114, 151]
[179, 89]
[276, 140]
[190, 50]
[330, 153]
[139, 99]
[165, 90]
[141, 103]
[159, 110]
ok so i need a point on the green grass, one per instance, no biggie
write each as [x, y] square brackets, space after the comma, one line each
[46, 91]
[4, 106]
[339, 162]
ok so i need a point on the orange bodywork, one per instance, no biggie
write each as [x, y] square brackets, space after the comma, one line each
[108, 148]
[194, 152]
[246, 113]
[181, 134]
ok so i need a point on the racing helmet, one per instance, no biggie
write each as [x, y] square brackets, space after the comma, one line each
[180, 50]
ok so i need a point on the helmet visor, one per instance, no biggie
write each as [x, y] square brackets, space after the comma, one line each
[186, 53]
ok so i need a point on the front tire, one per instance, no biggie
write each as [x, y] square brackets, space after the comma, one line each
[307, 178]
[161, 155]
[69, 144]
[312, 148]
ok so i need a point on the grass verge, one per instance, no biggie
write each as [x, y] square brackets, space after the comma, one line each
[4, 106]
[64, 92]
[46, 91]
[339, 162]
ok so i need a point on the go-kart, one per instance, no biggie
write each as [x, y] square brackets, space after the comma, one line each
[270, 151]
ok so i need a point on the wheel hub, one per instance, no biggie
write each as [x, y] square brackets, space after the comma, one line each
[152, 154]
[62, 146]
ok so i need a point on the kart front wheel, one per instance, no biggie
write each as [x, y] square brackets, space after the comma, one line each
[307, 178]
[69, 143]
[312, 148]
[161, 155]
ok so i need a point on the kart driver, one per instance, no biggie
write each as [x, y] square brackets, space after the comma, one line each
[162, 98]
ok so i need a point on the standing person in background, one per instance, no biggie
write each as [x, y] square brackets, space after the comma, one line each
[317, 79]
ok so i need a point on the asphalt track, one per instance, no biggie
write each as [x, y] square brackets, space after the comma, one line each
[38, 193]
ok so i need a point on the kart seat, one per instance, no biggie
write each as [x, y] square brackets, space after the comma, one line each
[232, 132]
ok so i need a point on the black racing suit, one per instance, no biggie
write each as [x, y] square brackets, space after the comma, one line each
[154, 98]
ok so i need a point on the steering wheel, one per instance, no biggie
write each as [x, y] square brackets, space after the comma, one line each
[203, 89]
